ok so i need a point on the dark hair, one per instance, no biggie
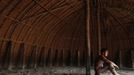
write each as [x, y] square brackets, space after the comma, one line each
[103, 50]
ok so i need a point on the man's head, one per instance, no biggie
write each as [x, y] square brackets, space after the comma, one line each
[104, 52]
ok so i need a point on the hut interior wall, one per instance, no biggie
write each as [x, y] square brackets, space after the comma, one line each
[53, 32]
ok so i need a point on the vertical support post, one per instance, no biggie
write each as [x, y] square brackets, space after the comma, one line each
[98, 23]
[19, 59]
[132, 57]
[8, 54]
[78, 57]
[88, 36]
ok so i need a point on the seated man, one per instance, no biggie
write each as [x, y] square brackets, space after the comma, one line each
[102, 64]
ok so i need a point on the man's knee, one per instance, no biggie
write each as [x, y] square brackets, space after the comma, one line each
[111, 66]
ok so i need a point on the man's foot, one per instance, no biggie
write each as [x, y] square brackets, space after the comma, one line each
[117, 74]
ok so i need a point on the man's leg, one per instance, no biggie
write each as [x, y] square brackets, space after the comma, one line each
[112, 69]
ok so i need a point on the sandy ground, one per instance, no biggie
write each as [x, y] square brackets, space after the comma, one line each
[57, 71]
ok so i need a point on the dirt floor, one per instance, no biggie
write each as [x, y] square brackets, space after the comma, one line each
[57, 71]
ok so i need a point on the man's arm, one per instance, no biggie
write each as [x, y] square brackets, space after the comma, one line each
[105, 59]
[109, 62]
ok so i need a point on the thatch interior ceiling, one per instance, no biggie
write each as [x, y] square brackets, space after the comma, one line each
[48, 23]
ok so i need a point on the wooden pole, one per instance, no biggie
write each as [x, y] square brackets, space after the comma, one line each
[98, 23]
[88, 36]
[132, 56]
